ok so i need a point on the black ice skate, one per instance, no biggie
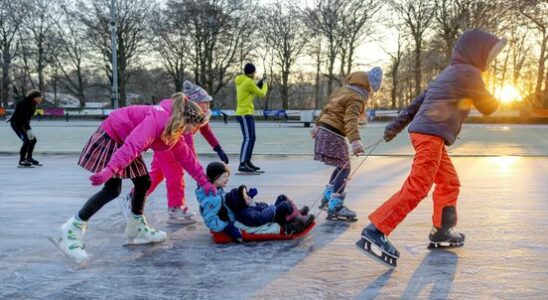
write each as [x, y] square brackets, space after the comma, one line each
[445, 238]
[246, 169]
[338, 212]
[375, 244]
[34, 162]
[25, 164]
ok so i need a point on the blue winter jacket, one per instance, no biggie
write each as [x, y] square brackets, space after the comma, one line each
[212, 209]
[441, 109]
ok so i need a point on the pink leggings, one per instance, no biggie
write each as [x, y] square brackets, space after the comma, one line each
[165, 165]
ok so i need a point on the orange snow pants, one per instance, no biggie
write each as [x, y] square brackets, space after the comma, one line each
[430, 165]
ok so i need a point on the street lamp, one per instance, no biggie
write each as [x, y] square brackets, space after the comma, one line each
[114, 90]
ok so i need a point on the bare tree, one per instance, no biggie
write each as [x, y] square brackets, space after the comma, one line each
[284, 32]
[172, 41]
[133, 24]
[353, 28]
[324, 19]
[40, 37]
[536, 11]
[73, 50]
[217, 29]
[395, 61]
[11, 17]
[451, 18]
[417, 16]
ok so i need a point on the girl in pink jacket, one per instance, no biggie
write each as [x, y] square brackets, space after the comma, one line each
[164, 164]
[114, 152]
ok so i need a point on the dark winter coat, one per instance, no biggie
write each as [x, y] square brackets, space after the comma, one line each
[441, 109]
[253, 216]
[24, 110]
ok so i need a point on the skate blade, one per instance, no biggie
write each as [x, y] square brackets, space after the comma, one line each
[247, 173]
[444, 245]
[137, 242]
[365, 246]
[341, 219]
[181, 222]
[25, 167]
[81, 263]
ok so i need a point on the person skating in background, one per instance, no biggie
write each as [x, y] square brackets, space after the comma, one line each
[246, 91]
[164, 163]
[337, 123]
[20, 123]
[436, 118]
[114, 153]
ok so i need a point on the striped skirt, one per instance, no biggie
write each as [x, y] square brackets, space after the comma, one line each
[98, 151]
[331, 149]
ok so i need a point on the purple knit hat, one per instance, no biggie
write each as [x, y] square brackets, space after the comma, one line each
[195, 93]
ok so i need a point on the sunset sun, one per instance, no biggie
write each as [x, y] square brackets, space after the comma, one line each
[508, 94]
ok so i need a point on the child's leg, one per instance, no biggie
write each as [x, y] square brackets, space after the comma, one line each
[141, 185]
[251, 124]
[30, 148]
[339, 181]
[110, 191]
[428, 154]
[445, 194]
[175, 182]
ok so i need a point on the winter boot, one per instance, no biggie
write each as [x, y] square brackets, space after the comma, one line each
[372, 241]
[295, 226]
[446, 236]
[337, 211]
[304, 210]
[325, 196]
[138, 231]
[180, 215]
[70, 239]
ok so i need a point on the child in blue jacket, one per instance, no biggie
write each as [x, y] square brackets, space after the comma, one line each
[212, 208]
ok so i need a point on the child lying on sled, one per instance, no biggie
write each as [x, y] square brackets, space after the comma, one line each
[247, 215]
[254, 214]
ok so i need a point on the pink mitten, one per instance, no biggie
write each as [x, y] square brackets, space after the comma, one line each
[209, 189]
[101, 177]
[357, 147]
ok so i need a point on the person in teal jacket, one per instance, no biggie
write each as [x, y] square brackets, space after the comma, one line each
[246, 91]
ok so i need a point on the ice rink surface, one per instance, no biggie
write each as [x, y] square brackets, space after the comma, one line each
[503, 209]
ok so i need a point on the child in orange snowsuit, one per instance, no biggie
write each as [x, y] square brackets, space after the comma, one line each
[436, 117]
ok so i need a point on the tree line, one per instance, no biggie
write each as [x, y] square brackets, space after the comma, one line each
[306, 51]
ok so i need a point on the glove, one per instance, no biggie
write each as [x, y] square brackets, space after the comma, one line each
[357, 147]
[101, 177]
[209, 189]
[314, 132]
[389, 134]
[221, 153]
[233, 232]
[30, 135]
[252, 192]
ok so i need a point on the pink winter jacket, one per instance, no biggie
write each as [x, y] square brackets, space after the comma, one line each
[139, 128]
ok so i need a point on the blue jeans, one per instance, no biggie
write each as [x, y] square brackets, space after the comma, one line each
[247, 124]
